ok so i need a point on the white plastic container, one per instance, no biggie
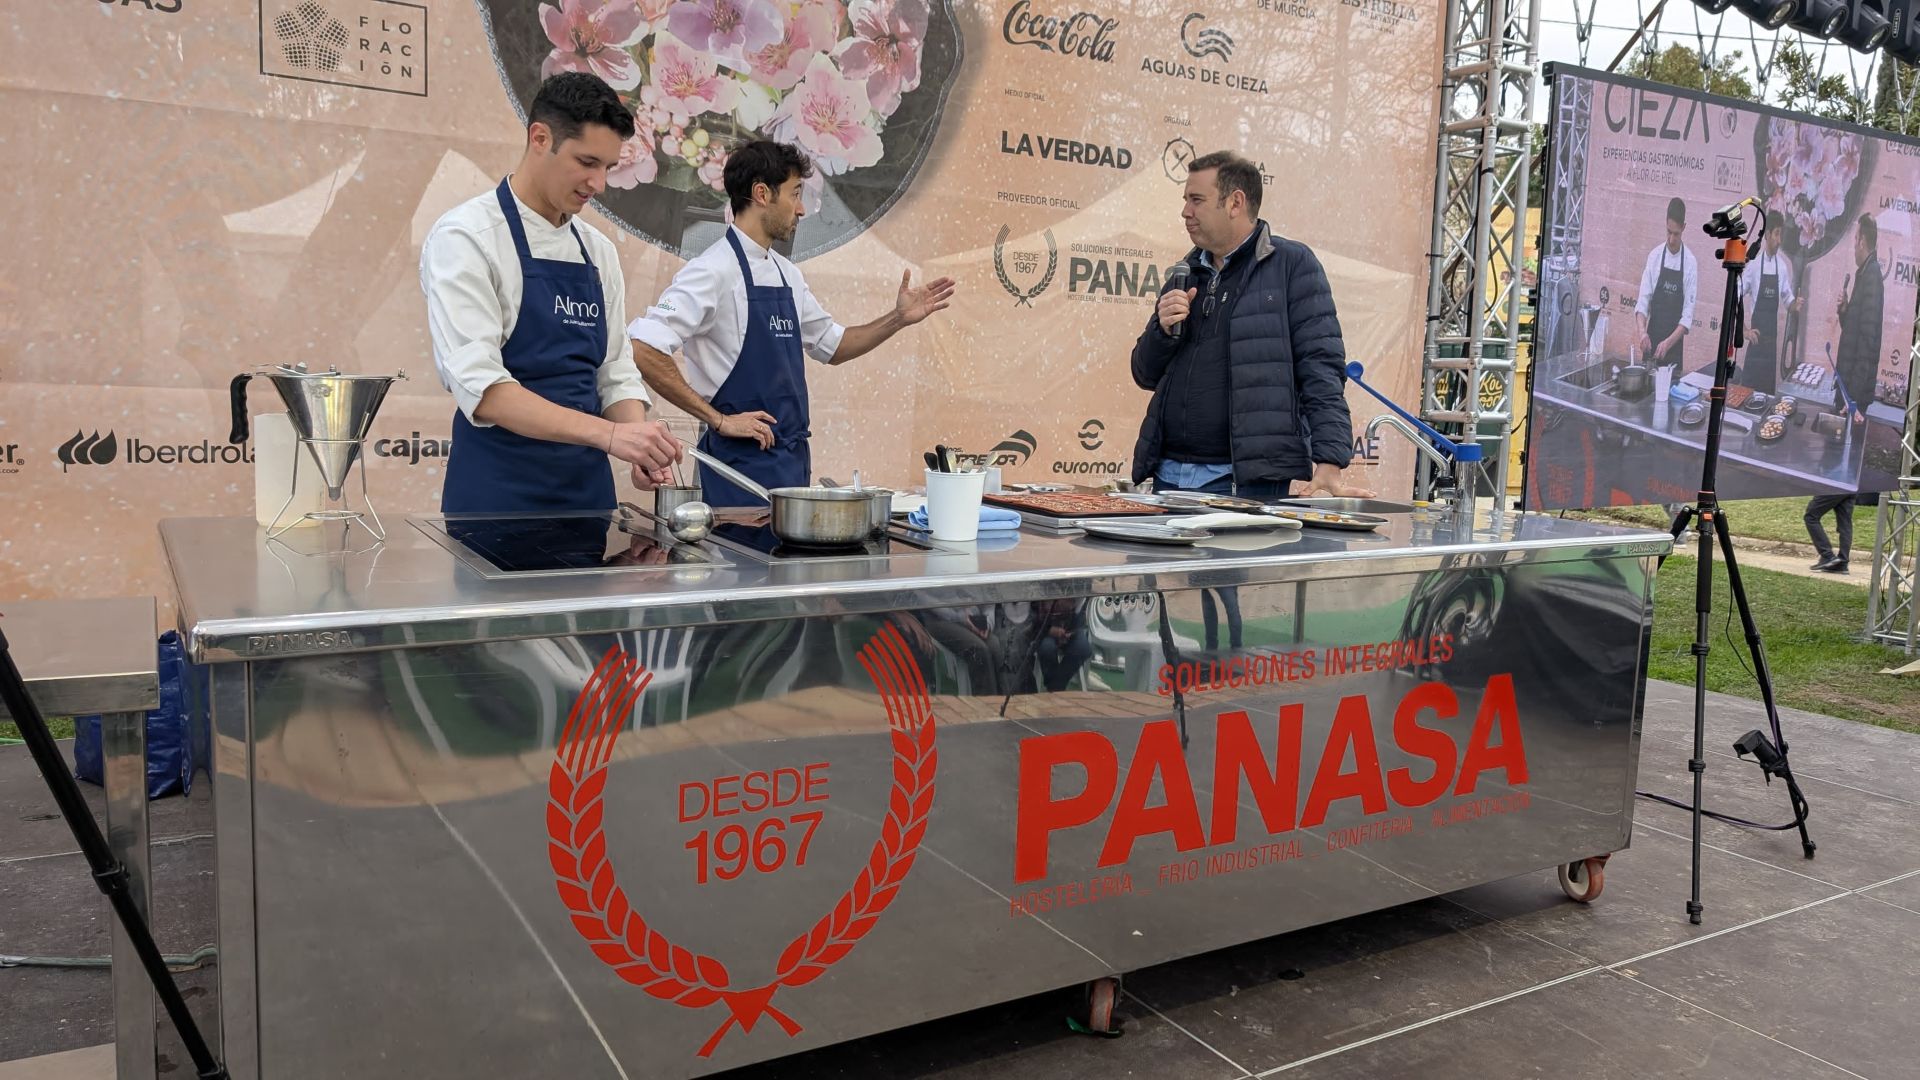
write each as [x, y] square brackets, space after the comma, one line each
[279, 459]
[953, 504]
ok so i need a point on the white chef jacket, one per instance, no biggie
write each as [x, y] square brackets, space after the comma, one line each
[1690, 283]
[1758, 267]
[704, 312]
[471, 275]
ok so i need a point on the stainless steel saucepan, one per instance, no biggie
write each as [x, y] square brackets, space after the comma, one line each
[806, 516]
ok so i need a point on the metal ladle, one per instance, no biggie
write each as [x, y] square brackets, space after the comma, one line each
[690, 522]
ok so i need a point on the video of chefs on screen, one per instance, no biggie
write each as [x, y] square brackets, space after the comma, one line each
[1632, 290]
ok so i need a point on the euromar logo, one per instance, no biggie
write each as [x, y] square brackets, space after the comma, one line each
[1092, 435]
[84, 449]
[1202, 41]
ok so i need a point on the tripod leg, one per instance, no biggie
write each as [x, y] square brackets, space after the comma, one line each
[1702, 608]
[108, 873]
[1759, 652]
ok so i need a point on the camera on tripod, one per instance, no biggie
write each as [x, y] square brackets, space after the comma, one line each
[1729, 222]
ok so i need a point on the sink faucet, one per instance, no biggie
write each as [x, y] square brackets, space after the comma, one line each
[1419, 441]
[1458, 462]
[1455, 468]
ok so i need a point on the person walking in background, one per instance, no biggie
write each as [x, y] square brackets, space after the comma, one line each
[1841, 506]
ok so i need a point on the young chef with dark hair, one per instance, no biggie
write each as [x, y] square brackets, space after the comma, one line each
[524, 304]
[746, 320]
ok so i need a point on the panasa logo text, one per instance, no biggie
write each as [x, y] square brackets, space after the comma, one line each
[1084, 34]
[1052, 800]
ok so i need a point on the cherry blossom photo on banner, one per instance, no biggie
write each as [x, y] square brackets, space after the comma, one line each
[858, 85]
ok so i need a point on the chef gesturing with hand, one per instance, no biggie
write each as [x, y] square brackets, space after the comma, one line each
[745, 319]
[524, 304]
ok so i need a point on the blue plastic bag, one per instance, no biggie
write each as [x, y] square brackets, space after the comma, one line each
[175, 742]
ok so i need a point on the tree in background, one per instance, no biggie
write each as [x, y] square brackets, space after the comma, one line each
[1678, 65]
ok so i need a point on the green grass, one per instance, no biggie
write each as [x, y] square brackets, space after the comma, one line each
[1759, 519]
[1809, 629]
[61, 726]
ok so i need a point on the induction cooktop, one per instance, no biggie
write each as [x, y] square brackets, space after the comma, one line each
[593, 542]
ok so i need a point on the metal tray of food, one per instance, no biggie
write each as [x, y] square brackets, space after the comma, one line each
[1327, 519]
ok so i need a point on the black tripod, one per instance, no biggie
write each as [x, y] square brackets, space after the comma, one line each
[108, 873]
[1769, 753]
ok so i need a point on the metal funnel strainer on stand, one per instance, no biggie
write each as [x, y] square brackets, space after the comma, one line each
[331, 414]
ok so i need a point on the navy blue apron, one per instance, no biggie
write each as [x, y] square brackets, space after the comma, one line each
[1763, 356]
[558, 343]
[770, 376]
[1663, 311]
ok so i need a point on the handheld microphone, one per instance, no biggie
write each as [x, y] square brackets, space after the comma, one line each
[1177, 276]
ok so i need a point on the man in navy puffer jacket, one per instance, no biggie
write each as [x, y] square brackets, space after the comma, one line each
[1247, 367]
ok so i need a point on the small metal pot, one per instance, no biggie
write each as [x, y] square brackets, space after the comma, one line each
[1634, 380]
[806, 516]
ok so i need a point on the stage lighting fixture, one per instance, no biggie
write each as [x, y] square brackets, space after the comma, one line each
[1903, 33]
[1714, 7]
[1821, 18]
[1865, 27]
[1772, 14]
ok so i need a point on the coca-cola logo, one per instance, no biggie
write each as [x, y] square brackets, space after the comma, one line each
[1082, 34]
[85, 449]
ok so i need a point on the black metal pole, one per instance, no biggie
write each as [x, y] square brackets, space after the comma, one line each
[108, 873]
[1707, 504]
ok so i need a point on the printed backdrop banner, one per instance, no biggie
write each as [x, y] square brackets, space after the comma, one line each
[1817, 403]
[211, 185]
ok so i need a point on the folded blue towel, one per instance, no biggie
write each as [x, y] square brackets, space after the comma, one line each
[992, 519]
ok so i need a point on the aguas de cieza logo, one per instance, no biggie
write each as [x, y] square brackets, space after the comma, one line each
[619, 933]
[1206, 48]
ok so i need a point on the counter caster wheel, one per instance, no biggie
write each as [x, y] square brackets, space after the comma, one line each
[1102, 995]
[1583, 880]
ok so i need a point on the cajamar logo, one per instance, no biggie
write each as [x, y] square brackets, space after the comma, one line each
[310, 37]
[1025, 262]
[84, 449]
[619, 934]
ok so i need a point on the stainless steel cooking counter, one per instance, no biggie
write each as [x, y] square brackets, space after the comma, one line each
[554, 796]
[241, 596]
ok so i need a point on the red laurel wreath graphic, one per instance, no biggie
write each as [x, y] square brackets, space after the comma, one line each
[620, 936]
